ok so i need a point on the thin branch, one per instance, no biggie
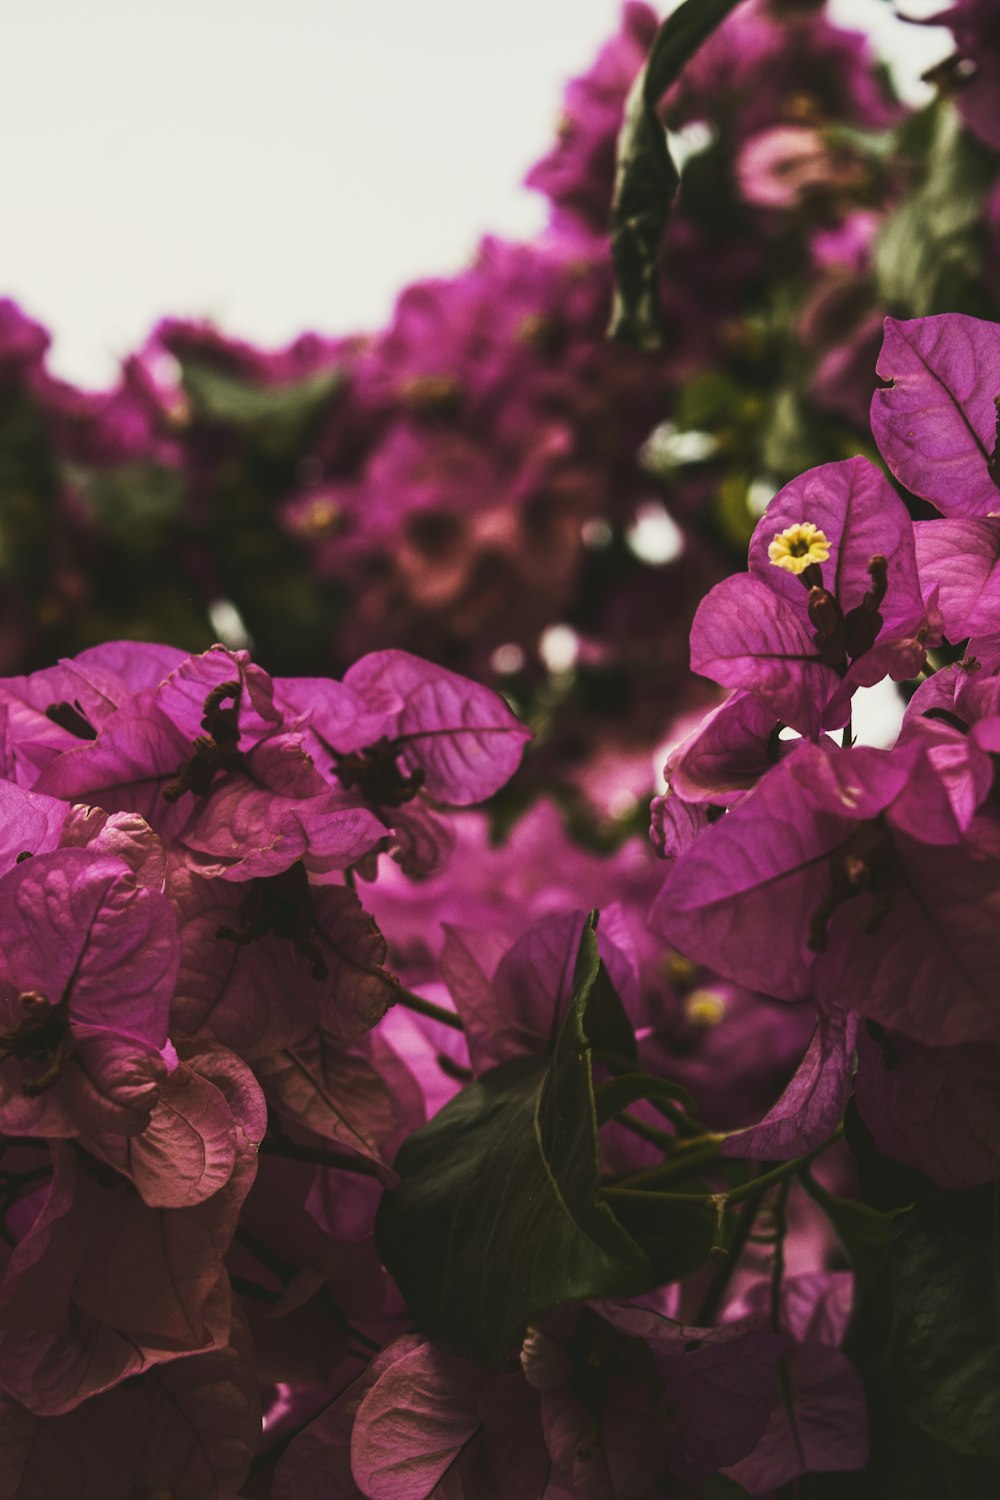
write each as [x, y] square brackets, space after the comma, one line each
[423, 1007]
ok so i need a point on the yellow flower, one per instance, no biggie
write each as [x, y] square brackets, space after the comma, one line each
[798, 547]
[705, 1007]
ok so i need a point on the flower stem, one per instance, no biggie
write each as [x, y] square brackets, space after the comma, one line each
[410, 1001]
[687, 1156]
[736, 1194]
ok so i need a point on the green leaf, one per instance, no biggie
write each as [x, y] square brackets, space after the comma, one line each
[945, 1342]
[271, 410]
[497, 1216]
[137, 504]
[930, 254]
[618, 1093]
[646, 178]
[608, 1026]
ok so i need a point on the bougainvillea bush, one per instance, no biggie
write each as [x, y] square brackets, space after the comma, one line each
[373, 1126]
[488, 481]
[624, 1178]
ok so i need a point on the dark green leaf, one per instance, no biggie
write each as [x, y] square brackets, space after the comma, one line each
[676, 1237]
[618, 1093]
[232, 402]
[646, 178]
[608, 1026]
[945, 1342]
[497, 1214]
[136, 503]
[929, 256]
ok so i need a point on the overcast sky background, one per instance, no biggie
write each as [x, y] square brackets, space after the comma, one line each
[283, 166]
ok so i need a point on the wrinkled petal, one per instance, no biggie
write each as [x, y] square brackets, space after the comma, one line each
[745, 635]
[962, 559]
[811, 1107]
[936, 423]
[461, 735]
[933, 1108]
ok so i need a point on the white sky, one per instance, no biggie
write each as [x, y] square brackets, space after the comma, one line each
[279, 166]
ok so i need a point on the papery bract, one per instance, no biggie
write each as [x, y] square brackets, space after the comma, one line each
[188, 1429]
[675, 1402]
[811, 1107]
[189, 1149]
[802, 651]
[102, 1287]
[872, 916]
[933, 1108]
[459, 735]
[88, 961]
[960, 559]
[826, 1428]
[513, 1000]
[936, 424]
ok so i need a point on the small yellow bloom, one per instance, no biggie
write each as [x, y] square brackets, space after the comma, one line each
[798, 547]
[318, 517]
[705, 1007]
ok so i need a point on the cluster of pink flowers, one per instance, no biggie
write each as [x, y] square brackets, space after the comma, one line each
[468, 476]
[359, 1145]
[882, 863]
[187, 976]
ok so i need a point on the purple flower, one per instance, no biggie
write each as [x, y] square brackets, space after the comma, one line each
[188, 1428]
[203, 757]
[190, 1147]
[825, 1428]
[23, 343]
[832, 601]
[959, 565]
[814, 70]
[203, 343]
[811, 1107]
[399, 729]
[614, 1401]
[734, 745]
[264, 964]
[102, 1286]
[55, 709]
[936, 422]
[844, 875]
[669, 1400]
[88, 961]
[512, 1002]
[933, 1108]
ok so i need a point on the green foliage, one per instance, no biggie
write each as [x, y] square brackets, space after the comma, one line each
[278, 416]
[930, 254]
[944, 1349]
[618, 1093]
[135, 504]
[497, 1214]
[646, 179]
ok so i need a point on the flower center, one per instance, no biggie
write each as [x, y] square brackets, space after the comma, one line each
[705, 1008]
[798, 547]
[41, 1036]
[214, 751]
[377, 774]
